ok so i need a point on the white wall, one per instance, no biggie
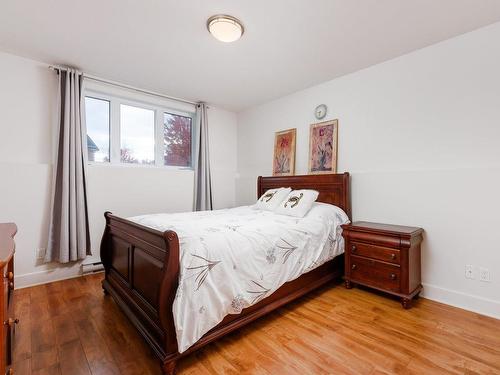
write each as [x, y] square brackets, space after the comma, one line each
[420, 136]
[27, 104]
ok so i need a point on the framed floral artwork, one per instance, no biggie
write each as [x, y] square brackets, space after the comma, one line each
[323, 140]
[284, 153]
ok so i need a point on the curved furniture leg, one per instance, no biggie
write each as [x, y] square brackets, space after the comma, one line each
[348, 284]
[406, 303]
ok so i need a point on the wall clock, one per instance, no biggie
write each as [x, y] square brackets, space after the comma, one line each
[320, 111]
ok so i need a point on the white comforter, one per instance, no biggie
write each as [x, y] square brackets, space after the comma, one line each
[233, 258]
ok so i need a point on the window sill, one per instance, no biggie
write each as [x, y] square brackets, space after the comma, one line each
[136, 166]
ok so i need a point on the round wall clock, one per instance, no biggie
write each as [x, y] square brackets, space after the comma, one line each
[320, 111]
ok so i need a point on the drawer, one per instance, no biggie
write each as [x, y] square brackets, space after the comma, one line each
[376, 252]
[374, 273]
[385, 240]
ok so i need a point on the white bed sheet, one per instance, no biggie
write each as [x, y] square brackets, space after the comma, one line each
[233, 258]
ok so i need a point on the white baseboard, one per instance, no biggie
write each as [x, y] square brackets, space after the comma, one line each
[464, 301]
[46, 276]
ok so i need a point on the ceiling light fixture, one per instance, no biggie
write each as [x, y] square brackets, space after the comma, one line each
[225, 28]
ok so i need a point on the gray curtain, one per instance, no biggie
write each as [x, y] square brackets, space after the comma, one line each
[202, 179]
[69, 238]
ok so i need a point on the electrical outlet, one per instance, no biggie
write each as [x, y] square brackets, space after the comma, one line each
[484, 274]
[469, 271]
[40, 253]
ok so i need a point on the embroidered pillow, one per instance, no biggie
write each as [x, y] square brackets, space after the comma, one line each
[297, 203]
[272, 198]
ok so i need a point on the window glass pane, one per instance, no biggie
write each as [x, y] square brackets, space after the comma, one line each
[97, 121]
[137, 144]
[177, 140]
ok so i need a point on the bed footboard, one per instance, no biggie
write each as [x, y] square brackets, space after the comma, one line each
[141, 273]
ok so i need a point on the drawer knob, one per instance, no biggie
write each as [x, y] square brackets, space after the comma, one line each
[354, 267]
[393, 276]
[10, 276]
[393, 256]
[10, 322]
[353, 248]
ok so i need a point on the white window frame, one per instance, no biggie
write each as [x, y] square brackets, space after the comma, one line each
[114, 130]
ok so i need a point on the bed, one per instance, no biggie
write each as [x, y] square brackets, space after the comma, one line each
[142, 270]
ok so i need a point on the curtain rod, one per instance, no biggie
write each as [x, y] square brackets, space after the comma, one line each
[122, 85]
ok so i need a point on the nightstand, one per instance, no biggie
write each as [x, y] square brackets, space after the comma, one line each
[384, 257]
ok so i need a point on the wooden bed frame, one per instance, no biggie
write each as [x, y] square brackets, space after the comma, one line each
[142, 269]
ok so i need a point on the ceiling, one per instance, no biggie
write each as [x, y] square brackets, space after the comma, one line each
[288, 45]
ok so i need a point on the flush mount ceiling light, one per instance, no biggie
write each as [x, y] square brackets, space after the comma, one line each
[225, 28]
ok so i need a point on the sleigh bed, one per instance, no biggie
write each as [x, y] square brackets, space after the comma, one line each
[142, 272]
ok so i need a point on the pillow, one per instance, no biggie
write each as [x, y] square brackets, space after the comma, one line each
[271, 199]
[326, 209]
[297, 203]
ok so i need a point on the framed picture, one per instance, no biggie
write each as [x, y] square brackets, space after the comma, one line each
[284, 153]
[323, 140]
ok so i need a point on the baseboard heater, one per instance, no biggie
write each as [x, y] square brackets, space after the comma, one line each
[88, 268]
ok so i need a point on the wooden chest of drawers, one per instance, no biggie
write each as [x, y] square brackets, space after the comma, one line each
[7, 232]
[384, 257]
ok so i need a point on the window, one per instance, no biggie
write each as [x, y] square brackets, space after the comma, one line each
[137, 135]
[97, 119]
[128, 131]
[177, 134]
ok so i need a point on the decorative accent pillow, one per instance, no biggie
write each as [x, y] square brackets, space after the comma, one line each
[272, 198]
[297, 203]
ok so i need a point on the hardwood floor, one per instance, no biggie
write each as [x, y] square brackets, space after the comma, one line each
[71, 328]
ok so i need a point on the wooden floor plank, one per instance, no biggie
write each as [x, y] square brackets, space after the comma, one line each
[43, 344]
[72, 360]
[43, 360]
[52, 370]
[125, 344]
[98, 355]
[57, 304]
[64, 329]
[23, 367]
[70, 327]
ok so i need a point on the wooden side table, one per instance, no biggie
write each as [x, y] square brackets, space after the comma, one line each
[384, 257]
[7, 248]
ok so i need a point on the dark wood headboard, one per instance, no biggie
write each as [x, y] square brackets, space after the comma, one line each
[333, 188]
